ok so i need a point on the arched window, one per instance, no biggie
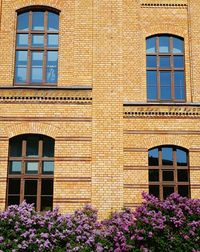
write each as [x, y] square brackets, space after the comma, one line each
[165, 68]
[30, 171]
[36, 61]
[168, 171]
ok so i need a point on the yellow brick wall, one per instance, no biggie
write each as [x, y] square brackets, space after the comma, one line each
[98, 114]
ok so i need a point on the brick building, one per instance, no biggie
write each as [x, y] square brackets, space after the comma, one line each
[99, 101]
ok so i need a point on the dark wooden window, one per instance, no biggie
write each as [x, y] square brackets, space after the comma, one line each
[165, 68]
[30, 171]
[36, 60]
[168, 171]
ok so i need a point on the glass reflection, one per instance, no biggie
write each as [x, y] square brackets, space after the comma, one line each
[38, 20]
[181, 157]
[167, 156]
[22, 21]
[177, 45]
[36, 67]
[164, 44]
[37, 40]
[22, 40]
[52, 40]
[151, 45]
[153, 157]
[53, 21]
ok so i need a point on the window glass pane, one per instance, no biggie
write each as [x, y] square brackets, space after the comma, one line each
[52, 62]
[151, 78]
[22, 40]
[22, 21]
[153, 175]
[47, 167]
[167, 156]
[154, 190]
[36, 75]
[179, 93]
[177, 45]
[151, 45]
[151, 61]
[165, 93]
[165, 79]
[21, 58]
[38, 20]
[52, 40]
[20, 74]
[32, 146]
[168, 176]
[152, 93]
[183, 176]
[37, 59]
[47, 187]
[46, 203]
[164, 44]
[15, 167]
[13, 200]
[178, 62]
[16, 147]
[183, 190]
[36, 67]
[30, 187]
[52, 59]
[31, 167]
[52, 75]
[164, 62]
[167, 190]
[48, 148]
[38, 40]
[14, 186]
[179, 79]
[181, 157]
[153, 157]
[165, 85]
[53, 21]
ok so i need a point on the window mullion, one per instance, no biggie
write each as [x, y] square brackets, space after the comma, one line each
[29, 49]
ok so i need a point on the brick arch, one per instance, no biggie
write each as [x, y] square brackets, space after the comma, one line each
[153, 141]
[57, 5]
[32, 127]
[166, 29]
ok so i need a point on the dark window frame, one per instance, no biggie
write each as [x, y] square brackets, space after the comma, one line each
[174, 167]
[23, 176]
[29, 49]
[158, 69]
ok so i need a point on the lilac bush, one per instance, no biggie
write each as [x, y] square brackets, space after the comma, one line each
[169, 225]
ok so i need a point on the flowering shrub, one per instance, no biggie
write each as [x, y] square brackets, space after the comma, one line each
[169, 225]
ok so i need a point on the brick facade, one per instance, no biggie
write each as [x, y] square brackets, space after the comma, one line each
[98, 114]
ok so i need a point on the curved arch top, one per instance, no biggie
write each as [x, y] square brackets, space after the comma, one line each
[37, 7]
[169, 145]
[165, 34]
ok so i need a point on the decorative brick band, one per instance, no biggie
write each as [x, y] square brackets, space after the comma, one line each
[164, 5]
[72, 200]
[163, 111]
[46, 99]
